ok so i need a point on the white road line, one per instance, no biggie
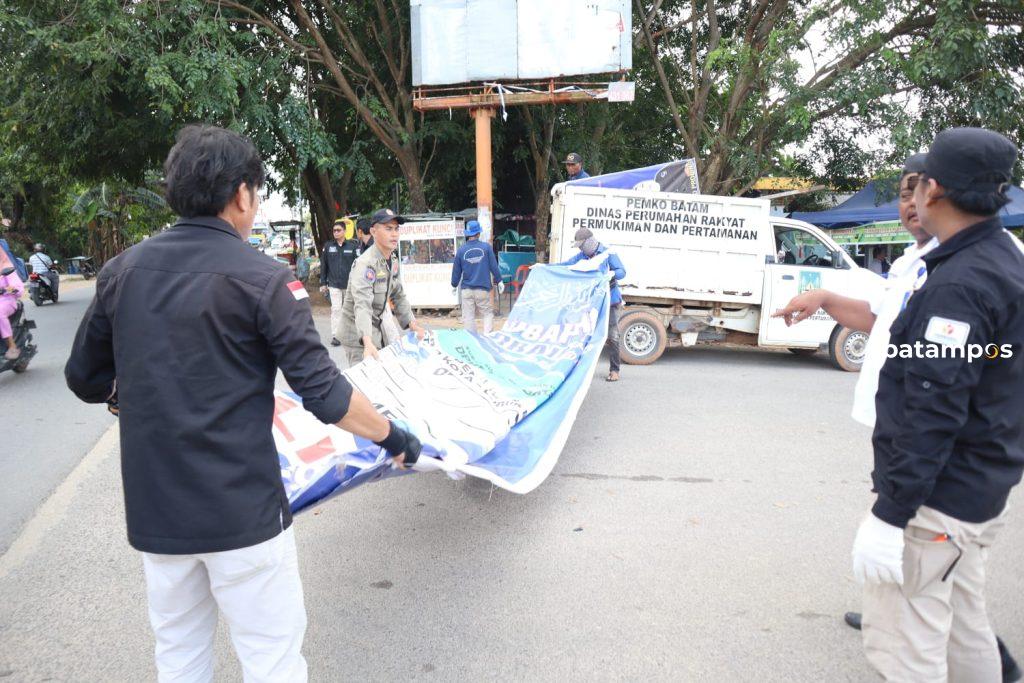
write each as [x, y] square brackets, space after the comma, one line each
[51, 512]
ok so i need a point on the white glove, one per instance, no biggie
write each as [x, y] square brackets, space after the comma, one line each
[878, 552]
[501, 287]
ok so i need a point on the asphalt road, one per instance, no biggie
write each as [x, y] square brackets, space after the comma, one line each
[46, 429]
[697, 528]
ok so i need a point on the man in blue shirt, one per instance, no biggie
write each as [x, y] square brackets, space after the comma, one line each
[476, 271]
[589, 248]
[574, 167]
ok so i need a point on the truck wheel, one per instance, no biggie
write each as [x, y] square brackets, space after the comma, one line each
[846, 348]
[642, 338]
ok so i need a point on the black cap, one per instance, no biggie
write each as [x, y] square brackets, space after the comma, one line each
[914, 164]
[970, 159]
[573, 158]
[385, 216]
[363, 225]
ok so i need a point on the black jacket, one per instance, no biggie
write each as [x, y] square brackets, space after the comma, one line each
[194, 324]
[950, 431]
[336, 262]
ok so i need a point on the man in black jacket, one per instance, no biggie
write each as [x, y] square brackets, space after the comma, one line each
[949, 434]
[335, 265]
[185, 335]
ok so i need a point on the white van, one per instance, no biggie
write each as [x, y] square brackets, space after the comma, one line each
[705, 269]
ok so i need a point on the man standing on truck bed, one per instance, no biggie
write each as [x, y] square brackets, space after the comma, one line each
[574, 167]
[589, 248]
[949, 435]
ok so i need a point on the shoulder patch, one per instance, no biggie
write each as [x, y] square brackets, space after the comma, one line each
[297, 290]
[371, 274]
[947, 332]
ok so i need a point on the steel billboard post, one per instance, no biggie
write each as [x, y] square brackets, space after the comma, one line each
[483, 55]
[484, 201]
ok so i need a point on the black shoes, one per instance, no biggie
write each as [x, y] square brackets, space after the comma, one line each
[335, 342]
[1011, 671]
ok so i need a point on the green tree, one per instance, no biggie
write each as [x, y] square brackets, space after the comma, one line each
[736, 89]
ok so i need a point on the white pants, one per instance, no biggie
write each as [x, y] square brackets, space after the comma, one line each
[259, 591]
[337, 301]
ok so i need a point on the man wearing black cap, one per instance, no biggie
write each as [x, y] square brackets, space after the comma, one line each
[375, 281]
[949, 432]
[907, 274]
[574, 167]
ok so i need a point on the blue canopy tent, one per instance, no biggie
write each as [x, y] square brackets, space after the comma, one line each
[877, 201]
[875, 204]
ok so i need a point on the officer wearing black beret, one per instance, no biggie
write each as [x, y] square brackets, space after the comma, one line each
[949, 435]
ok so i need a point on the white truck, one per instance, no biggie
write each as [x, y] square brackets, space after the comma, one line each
[705, 269]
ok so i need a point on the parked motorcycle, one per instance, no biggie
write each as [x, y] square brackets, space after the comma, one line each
[39, 289]
[21, 328]
[85, 266]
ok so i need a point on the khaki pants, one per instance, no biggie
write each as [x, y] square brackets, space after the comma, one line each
[354, 354]
[474, 302]
[337, 301]
[932, 629]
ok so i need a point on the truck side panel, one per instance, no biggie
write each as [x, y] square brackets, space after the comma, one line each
[673, 246]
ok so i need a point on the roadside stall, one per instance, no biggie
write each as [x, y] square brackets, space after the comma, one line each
[426, 251]
[860, 241]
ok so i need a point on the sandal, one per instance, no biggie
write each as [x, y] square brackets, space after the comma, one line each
[612, 377]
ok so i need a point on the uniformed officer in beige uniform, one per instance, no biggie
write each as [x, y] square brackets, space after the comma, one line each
[373, 280]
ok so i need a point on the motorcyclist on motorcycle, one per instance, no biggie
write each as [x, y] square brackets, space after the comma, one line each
[44, 265]
[11, 288]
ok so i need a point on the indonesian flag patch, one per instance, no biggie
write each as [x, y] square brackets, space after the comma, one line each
[297, 290]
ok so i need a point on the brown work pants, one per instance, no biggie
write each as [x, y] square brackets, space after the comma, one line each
[934, 627]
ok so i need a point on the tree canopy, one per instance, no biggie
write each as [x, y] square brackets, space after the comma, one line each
[831, 90]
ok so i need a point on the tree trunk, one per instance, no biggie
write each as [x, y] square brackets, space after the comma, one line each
[541, 151]
[542, 212]
[409, 162]
[343, 187]
[317, 186]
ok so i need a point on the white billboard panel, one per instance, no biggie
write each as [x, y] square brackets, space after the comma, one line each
[458, 41]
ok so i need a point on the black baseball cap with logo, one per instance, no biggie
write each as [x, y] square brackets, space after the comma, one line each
[574, 158]
[386, 216]
[970, 159]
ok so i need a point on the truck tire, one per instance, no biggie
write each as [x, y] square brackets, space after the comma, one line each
[846, 348]
[642, 338]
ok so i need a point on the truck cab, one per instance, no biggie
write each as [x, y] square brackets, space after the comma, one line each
[704, 269]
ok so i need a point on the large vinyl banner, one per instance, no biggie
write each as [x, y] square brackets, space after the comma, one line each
[498, 407]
